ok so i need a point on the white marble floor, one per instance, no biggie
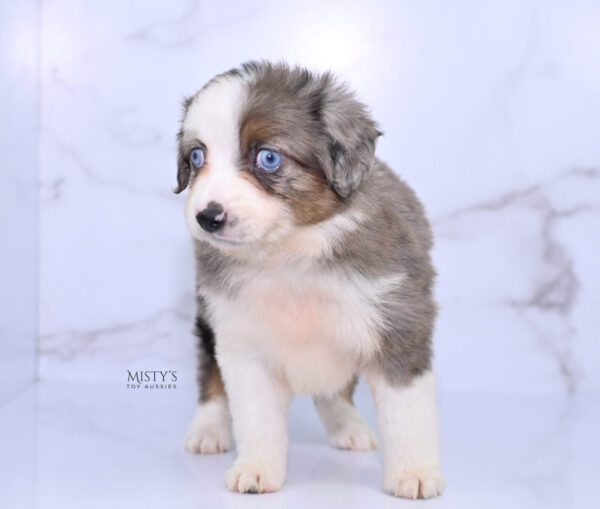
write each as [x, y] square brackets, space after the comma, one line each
[81, 445]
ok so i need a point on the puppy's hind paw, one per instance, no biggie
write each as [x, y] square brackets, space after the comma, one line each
[354, 437]
[210, 429]
[208, 441]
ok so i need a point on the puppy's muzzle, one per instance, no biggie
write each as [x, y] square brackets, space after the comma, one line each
[212, 218]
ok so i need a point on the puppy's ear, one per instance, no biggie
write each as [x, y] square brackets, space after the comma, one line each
[351, 136]
[184, 171]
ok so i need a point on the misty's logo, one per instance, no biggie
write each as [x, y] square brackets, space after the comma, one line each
[151, 379]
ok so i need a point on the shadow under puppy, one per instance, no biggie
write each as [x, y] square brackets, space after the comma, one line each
[313, 268]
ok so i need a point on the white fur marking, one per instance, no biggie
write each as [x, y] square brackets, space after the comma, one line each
[315, 328]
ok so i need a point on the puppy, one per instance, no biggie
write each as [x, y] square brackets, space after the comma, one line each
[313, 268]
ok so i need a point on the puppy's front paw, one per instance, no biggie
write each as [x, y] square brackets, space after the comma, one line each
[354, 437]
[415, 484]
[250, 477]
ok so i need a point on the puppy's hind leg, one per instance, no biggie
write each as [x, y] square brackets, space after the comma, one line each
[346, 429]
[210, 429]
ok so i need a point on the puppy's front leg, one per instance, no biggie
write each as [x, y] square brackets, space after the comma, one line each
[408, 421]
[259, 403]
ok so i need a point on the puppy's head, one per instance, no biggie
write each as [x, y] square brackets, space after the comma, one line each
[267, 150]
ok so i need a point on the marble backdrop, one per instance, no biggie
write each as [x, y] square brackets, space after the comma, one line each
[491, 111]
[19, 141]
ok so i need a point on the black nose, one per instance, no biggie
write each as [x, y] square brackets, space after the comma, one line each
[212, 218]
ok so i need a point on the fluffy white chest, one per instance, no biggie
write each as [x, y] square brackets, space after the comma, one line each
[314, 329]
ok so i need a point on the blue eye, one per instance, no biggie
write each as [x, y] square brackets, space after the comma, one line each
[197, 158]
[268, 160]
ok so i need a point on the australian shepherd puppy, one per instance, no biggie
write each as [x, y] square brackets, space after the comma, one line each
[313, 269]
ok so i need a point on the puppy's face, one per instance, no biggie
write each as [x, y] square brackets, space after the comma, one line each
[268, 150]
